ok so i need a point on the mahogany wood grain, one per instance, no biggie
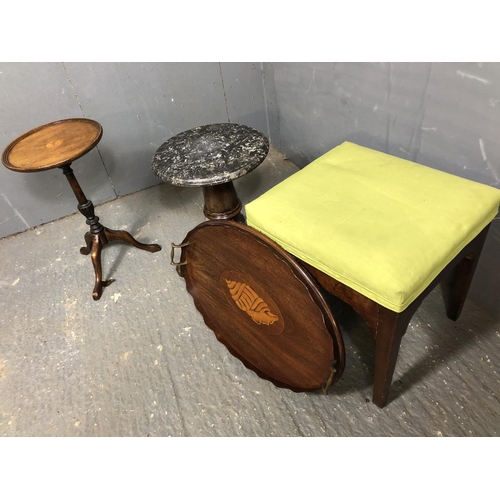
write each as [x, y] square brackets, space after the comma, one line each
[262, 306]
[98, 235]
[222, 202]
[52, 145]
[211, 250]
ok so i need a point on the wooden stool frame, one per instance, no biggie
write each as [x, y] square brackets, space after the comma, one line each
[388, 327]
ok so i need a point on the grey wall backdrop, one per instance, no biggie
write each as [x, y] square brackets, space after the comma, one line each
[445, 115]
[139, 107]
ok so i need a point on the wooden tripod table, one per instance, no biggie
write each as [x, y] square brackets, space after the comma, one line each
[58, 144]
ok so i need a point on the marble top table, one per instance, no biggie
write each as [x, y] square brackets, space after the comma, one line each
[212, 156]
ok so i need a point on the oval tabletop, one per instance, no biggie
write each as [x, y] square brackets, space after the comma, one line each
[262, 306]
[52, 145]
[210, 155]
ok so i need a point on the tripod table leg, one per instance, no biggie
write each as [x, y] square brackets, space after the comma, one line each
[88, 244]
[95, 255]
[117, 235]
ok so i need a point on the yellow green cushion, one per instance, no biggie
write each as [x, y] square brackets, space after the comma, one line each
[381, 225]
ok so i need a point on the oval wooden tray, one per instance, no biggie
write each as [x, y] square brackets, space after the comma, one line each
[262, 305]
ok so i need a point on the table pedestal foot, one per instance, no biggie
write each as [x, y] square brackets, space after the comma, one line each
[222, 202]
[96, 242]
[117, 235]
[88, 244]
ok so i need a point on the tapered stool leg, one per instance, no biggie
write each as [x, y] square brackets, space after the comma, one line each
[462, 278]
[98, 235]
[390, 330]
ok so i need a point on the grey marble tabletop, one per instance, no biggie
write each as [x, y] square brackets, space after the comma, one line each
[210, 154]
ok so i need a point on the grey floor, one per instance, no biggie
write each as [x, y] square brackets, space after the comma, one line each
[141, 362]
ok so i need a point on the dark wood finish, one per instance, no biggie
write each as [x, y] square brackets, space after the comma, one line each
[390, 330]
[208, 253]
[262, 305]
[388, 327]
[52, 145]
[58, 144]
[222, 202]
[366, 308]
[459, 282]
[98, 236]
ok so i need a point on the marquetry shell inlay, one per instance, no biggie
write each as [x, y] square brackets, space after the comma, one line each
[247, 300]
[245, 295]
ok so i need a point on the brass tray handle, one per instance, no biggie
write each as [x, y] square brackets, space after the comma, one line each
[172, 251]
[329, 381]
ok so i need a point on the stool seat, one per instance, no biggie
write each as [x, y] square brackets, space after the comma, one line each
[383, 226]
[52, 145]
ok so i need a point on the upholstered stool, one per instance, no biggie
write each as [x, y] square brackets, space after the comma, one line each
[379, 232]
